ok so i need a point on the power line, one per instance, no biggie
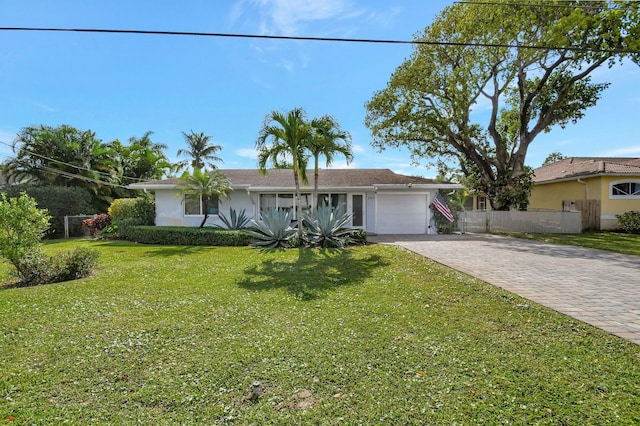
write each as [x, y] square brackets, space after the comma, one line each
[73, 165]
[328, 39]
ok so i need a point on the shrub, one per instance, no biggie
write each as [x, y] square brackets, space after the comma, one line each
[358, 237]
[38, 268]
[97, 223]
[629, 222]
[22, 226]
[185, 236]
[73, 265]
[274, 230]
[59, 202]
[142, 208]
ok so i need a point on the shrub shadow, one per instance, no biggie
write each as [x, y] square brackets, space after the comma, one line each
[312, 274]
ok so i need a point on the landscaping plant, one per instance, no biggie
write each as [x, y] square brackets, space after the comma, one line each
[629, 222]
[235, 220]
[22, 226]
[274, 230]
[328, 227]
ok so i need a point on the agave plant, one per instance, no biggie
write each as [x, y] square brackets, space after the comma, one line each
[274, 230]
[328, 227]
[235, 220]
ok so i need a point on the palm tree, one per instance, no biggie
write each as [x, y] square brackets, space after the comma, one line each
[199, 149]
[205, 185]
[326, 134]
[282, 141]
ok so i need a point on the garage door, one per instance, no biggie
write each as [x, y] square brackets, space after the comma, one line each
[402, 214]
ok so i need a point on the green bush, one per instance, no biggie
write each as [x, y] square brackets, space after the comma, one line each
[22, 226]
[39, 269]
[60, 202]
[142, 208]
[629, 222]
[73, 265]
[185, 236]
[274, 230]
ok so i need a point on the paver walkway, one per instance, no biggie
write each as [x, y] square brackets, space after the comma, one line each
[598, 287]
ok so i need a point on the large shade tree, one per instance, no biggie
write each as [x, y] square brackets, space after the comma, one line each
[200, 150]
[327, 140]
[282, 142]
[530, 64]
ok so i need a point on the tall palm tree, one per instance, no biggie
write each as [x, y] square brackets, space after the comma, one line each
[205, 185]
[325, 141]
[282, 142]
[199, 149]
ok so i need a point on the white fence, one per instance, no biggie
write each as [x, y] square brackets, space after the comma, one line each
[550, 222]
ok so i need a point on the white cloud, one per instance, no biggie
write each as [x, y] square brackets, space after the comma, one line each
[287, 16]
[247, 153]
[631, 150]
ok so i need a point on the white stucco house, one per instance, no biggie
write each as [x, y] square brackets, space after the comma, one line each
[382, 202]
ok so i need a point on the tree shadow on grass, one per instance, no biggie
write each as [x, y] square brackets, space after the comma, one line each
[312, 274]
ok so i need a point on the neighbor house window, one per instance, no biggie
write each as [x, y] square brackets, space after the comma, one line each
[193, 205]
[482, 202]
[625, 189]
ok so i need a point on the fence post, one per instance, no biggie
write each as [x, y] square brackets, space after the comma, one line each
[66, 226]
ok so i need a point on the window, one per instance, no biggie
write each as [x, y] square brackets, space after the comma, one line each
[625, 189]
[482, 202]
[334, 200]
[193, 205]
[284, 202]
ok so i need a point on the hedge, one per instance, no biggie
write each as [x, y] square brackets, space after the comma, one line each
[186, 236]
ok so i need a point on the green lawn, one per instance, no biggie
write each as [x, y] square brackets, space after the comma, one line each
[611, 241]
[369, 335]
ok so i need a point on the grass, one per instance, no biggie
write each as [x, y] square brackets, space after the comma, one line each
[369, 335]
[610, 241]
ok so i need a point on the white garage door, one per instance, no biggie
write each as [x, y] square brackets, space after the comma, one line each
[402, 214]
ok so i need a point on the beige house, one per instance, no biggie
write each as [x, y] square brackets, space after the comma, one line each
[600, 187]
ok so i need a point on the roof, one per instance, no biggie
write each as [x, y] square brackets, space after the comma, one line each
[330, 178]
[579, 167]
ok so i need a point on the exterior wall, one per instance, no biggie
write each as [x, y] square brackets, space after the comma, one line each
[170, 209]
[404, 211]
[611, 206]
[550, 196]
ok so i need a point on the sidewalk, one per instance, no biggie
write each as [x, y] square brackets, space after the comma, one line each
[598, 287]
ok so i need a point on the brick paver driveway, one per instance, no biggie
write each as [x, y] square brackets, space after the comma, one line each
[598, 287]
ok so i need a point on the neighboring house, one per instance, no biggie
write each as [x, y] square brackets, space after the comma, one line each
[381, 201]
[600, 187]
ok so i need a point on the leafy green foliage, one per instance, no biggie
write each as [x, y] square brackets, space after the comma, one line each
[273, 230]
[64, 266]
[480, 52]
[553, 157]
[629, 221]
[184, 236]
[205, 185]
[200, 149]
[59, 201]
[235, 220]
[328, 227]
[141, 208]
[22, 226]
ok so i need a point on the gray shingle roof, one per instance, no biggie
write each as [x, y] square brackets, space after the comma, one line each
[331, 178]
[576, 167]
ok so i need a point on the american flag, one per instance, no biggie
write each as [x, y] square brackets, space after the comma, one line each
[441, 205]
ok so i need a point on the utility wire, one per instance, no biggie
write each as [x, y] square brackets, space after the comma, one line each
[329, 39]
[73, 165]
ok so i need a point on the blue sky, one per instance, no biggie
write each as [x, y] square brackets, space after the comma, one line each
[123, 85]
